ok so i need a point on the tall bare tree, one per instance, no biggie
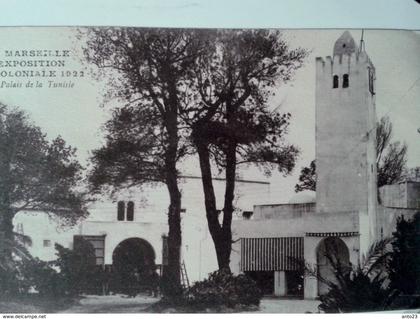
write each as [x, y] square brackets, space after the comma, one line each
[391, 156]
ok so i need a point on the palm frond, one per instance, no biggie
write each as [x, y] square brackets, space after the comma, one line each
[375, 259]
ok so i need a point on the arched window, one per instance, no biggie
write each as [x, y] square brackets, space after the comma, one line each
[371, 81]
[335, 81]
[121, 210]
[130, 211]
[345, 80]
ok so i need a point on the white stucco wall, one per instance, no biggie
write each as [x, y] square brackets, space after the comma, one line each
[294, 227]
[150, 222]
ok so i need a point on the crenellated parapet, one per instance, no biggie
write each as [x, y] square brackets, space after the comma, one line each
[339, 64]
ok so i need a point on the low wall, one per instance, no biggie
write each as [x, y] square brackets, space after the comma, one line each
[283, 211]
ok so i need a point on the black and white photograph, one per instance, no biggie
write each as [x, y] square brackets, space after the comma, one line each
[209, 170]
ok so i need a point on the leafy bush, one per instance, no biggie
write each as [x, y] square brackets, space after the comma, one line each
[404, 268]
[361, 288]
[12, 258]
[356, 291]
[388, 278]
[12, 280]
[20, 272]
[224, 289]
[77, 268]
[41, 276]
[30, 273]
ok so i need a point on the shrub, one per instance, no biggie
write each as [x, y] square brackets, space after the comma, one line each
[356, 291]
[77, 272]
[12, 279]
[404, 268]
[361, 288]
[77, 268]
[224, 289]
[388, 278]
[43, 278]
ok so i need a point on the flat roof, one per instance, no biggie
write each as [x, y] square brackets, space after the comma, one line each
[223, 179]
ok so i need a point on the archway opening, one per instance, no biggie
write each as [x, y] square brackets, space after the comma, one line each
[331, 251]
[134, 268]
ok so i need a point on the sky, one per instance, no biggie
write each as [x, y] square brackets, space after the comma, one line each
[215, 13]
[75, 113]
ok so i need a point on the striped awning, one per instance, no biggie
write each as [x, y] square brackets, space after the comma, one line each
[266, 254]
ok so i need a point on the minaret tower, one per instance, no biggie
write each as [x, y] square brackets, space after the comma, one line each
[346, 134]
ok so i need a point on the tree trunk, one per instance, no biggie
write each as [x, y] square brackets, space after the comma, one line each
[172, 275]
[230, 174]
[209, 196]
[172, 287]
[228, 205]
[222, 236]
[6, 233]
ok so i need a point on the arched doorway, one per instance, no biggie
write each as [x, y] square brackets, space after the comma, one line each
[330, 250]
[133, 262]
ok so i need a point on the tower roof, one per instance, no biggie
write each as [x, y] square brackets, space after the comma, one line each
[345, 44]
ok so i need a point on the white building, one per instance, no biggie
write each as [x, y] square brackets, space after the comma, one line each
[345, 215]
[147, 222]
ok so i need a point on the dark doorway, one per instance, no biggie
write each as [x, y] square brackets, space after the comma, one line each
[134, 266]
[264, 280]
[294, 283]
[330, 249]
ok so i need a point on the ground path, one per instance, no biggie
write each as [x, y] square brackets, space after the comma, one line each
[122, 304]
[111, 304]
[277, 305]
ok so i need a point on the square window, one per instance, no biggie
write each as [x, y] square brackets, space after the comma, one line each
[47, 243]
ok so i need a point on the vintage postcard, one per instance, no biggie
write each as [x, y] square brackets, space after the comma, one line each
[156, 170]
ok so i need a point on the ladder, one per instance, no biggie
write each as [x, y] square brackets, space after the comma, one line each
[184, 277]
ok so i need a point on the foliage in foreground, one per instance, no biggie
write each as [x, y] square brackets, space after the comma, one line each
[77, 268]
[224, 289]
[404, 268]
[12, 269]
[356, 291]
[386, 279]
[43, 278]
[36, 175]
[34, 275]
[360, 288]
[71, 274]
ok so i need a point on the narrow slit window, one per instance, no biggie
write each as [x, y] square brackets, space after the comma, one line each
[121, 209]
[335, 81]
[130, 211]
[345, 81]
